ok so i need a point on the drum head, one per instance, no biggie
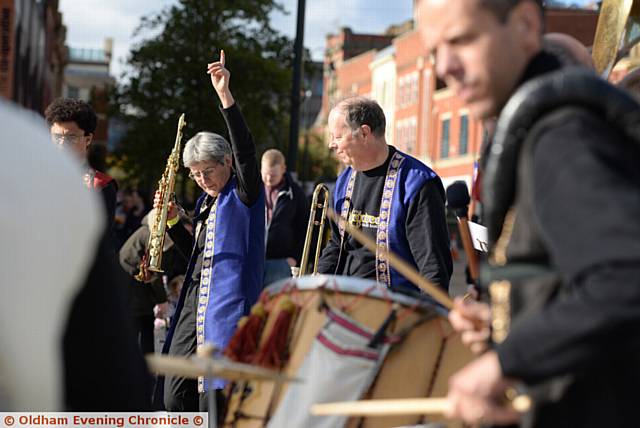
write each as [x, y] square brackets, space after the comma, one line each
[353, 285]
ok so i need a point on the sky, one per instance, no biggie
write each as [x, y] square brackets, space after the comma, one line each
[89, 22]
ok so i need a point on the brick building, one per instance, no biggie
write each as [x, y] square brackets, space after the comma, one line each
[424, 118]
[87, 77]
[32, 52]
[341, 47]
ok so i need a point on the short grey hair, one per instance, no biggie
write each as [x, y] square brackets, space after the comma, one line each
[205, 146]
[360, 111]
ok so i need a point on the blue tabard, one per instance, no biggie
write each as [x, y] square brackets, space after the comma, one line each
[232, 269]
[405, 178]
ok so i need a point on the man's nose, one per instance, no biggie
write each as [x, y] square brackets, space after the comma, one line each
[447, 63]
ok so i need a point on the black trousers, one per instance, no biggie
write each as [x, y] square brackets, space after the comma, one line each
[181, 394]
[144, 333]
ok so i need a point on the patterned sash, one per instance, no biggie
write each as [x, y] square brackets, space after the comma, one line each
[205, 280]
[382, 239]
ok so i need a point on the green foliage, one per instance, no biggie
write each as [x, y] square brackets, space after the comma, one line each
[168, 77]
[315, 161]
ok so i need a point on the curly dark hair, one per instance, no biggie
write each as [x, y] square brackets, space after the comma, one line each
[72, 110]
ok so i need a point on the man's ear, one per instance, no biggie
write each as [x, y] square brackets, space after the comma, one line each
[89, 139]
[366, 130]
[227, 160]
[527, 20]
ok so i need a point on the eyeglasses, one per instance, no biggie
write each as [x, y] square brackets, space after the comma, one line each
[204, 174]
[66, 138]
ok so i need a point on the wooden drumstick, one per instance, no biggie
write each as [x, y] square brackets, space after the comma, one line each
[399, 264]
[521, 403]
[407, 406]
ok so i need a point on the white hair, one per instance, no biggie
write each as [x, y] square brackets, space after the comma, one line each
[205, 146]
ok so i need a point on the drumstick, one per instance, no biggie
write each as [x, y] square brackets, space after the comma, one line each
[399, 264]
[407, 406]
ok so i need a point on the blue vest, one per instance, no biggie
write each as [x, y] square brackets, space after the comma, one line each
[235, 270]
[405, 178]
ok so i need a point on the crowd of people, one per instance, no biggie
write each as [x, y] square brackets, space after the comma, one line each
[559, 196]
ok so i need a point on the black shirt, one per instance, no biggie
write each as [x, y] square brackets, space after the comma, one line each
[425, 225]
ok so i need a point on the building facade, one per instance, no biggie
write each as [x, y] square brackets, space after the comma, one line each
[424, 118]
[87, 77]
[32, 52]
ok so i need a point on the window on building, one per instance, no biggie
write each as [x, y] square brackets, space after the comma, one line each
[73, 92]
[412, 137]
[464, 135]
[444, 141]
[414, 89]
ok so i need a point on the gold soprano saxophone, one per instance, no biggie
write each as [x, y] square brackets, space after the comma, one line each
[152, 259]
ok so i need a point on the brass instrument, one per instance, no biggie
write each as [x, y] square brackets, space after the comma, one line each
[616, 33]
[152, 260]
[320, 190]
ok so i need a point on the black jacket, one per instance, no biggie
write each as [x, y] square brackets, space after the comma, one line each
[287, 230]
[574, 262]
[103, 367]
[143, 297]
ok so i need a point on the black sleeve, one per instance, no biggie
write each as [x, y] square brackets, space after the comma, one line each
[99, 346]
[244, 154]
[587, 206]
[182, 239]
[428, 235]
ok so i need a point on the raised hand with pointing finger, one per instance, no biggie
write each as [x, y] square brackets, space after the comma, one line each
[220, 77]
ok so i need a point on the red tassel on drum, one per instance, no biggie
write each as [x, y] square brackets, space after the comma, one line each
[244, 344]
[273, 352]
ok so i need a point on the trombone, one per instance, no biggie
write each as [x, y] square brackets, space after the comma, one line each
[321, 191]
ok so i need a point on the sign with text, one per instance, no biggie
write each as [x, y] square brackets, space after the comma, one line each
[104, 420]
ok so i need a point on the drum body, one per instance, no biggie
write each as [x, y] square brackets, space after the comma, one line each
[419, 365]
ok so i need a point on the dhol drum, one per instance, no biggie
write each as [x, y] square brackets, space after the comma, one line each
[347, 339]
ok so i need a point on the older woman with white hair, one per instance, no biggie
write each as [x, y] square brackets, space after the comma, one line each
[224, 275]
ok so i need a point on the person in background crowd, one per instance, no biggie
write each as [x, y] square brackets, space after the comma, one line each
[129, 213]
[148, 296]
[287, 216]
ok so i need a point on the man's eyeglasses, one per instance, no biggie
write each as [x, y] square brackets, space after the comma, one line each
[204, 174]
[66, 138]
